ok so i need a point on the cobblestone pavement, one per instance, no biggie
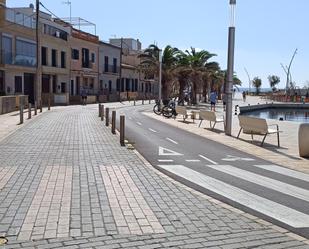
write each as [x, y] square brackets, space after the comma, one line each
[66, 183]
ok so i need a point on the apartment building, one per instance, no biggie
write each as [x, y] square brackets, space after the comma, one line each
[55, 59]
[18, 52]
[84, 72]
[133, 83]
[109, 68]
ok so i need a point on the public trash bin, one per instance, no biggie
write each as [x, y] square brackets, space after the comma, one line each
[303, 140]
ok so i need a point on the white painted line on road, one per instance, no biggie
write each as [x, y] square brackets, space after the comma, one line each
[168, 152]
[207, 159]
[262, 205]
[165, 160]
[192, 160]
[171, 140]
[152, 130]
[139, 123]
[285, 171]
[235, 158]
[266, 182]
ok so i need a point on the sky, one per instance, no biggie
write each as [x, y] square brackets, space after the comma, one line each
[267, 31]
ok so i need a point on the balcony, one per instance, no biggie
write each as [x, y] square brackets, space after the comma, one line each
[111, 69]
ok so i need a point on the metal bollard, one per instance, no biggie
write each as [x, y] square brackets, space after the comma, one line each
[102, 112]
[107, 116]
[35, 108]
[114, 122]
[149, 100]
[134, 102]
[122, 130]
[49, 102]
[41, 106]
[142, 101]
[21, 114]
[99, 109]
[29, 111]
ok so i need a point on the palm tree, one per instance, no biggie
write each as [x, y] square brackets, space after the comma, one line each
[194, 65]
[273, 81]
[257, 82]
[150, 65]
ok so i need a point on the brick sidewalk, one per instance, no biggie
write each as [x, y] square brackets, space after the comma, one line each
[66, 183]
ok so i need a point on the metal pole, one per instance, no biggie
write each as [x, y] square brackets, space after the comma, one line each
[29, 111]
[21, 113]
[41, 106]
[122, 130]
[49, 102]
[160, 77]
[35, 108]
[38, 94]
[102, 112]
[114, 122]
[107, 116]
[120, 69]
[230, 72]
[99, 110]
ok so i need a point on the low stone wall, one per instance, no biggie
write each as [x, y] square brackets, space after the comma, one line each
[11, 103]
[249, 108]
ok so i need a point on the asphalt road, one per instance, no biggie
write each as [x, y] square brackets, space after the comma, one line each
[252, 184]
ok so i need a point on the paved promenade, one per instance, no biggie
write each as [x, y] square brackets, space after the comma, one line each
[66, 183]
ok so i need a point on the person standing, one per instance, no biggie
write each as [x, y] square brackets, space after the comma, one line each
[84, 96]
[213, 100]
[244, 96]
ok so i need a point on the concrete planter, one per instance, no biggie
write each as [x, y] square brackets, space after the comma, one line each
[303, 140]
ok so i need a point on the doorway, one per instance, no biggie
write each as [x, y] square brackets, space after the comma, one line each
[29, 86]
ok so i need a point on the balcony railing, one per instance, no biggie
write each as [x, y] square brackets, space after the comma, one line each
[111, 69]
[17, 17]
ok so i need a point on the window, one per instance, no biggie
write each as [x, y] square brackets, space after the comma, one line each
[122, 84]
[2, 90]
[18, 84]
[25, 53]
[136, 85]
[127, 84]
[115, 65]
[45, 83]
[132, 85]
[110, 86]
[63, 87]
[7, 50]
[93, 57]
[63, 61]
[54, 58]
[118, 85]
[85, 58]
[105, 63]
[52, 31]
[44, 56]
[75, 54]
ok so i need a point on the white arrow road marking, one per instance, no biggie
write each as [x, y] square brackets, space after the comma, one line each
[235, 158]
[168, 152]
[266, 182]
[171, 140]
[165, 160]
[285, 171]
[152, 130]
[262, 205]
[207, 159]
[139, 123]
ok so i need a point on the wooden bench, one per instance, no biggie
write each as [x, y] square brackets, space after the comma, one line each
[182, 110]
[211, 117]
[257, 126]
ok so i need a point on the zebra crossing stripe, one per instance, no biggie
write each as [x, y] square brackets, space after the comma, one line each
[276, 185]
[262, 205]
[285, 171]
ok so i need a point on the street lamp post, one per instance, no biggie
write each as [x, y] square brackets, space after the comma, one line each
[160, 77]
[230, 70]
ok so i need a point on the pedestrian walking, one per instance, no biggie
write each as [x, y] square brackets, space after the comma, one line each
[213, 100]
[84, 96]
[244, 96]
